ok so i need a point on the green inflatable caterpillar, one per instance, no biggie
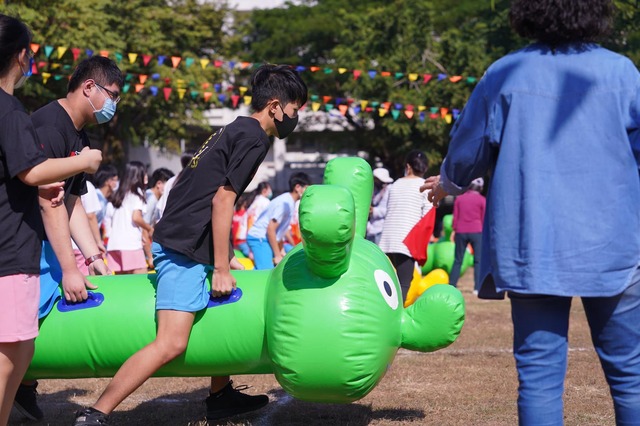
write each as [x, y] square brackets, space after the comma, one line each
[327, 321]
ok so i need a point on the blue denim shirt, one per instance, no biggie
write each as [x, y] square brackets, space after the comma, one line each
[558, 132]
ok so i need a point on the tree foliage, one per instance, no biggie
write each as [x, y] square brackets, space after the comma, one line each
[185, 28]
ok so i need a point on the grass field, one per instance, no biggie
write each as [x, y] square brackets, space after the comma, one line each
[472, 382]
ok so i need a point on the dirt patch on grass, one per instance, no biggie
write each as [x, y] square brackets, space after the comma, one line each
[473, 382]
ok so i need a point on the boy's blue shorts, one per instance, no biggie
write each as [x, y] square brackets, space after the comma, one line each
[181, 282]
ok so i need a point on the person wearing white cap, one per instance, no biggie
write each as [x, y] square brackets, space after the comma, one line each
[378, 209]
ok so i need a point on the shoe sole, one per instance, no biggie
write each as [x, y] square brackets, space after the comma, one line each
[25, 413]
[229, 412]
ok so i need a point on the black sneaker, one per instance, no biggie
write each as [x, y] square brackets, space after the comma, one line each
[26, 402]
[90, 417]
[229, 402]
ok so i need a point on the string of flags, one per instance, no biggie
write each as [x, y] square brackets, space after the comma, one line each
[215, 92]
[204, 62]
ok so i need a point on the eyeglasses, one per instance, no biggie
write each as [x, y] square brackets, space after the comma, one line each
[115, 96]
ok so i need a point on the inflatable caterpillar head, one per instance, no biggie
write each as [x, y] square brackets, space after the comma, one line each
[334, 314]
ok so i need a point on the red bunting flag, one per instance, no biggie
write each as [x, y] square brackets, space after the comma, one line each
[167, 93]
[234, 100]
[217, 63]
[146, 59]
[326, 99]
[426, 78]
[76, 53]
[356, 74]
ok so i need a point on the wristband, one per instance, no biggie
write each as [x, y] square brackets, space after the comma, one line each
[89, 260]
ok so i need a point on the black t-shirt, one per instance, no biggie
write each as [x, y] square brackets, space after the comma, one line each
[231, 156]
[21, 228]
[59, 138]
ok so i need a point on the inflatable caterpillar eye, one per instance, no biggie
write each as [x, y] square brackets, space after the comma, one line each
[387, 288]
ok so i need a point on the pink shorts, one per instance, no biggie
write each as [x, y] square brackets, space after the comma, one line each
[126, 260]
[19, 299]
[80, 263]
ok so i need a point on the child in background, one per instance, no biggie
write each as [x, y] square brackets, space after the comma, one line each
[125, 254]
[239, 226]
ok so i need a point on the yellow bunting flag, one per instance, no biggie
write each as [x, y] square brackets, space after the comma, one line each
[315, 106]
[363, 105]
[61, 51]
[448, 118]
[382, 112]
[181, 93]
[175, 61]
[413, 76]
[421, 108]
[180, 82]
[242, 90]
[204, 62]
[247, 100]
[45, 77]
[343, 109]
[55, 66]
[342, 70]
[132, 57]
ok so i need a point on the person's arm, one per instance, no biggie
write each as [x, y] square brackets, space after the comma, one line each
[138, 220]
[95, 231]
[272, 238]
[380, 211]
[221, 217]
[83, 236]
[56, 225]
[57, 169]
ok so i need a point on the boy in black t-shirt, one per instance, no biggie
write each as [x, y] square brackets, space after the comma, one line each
[92, 95]
[192, 238]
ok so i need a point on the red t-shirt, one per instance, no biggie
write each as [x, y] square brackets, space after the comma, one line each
[468, 212]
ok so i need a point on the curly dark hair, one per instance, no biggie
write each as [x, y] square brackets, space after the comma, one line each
[555, 22]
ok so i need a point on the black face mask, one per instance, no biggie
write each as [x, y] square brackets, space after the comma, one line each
[286, 126]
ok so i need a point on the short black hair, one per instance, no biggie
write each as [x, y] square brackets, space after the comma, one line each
[418, 162]
[279, 82]
[104, 173]
[262, 186]
[555, 22]
[14, 37]
[186, 158]
[160, 175]
[102, 70]
[299, 178]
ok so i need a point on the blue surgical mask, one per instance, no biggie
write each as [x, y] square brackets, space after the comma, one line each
[107, 111]
[25, 74]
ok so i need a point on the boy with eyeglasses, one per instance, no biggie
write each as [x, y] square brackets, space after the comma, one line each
[92, 96]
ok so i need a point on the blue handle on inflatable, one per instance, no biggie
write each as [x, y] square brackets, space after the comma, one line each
[235, 295]
[93, 301]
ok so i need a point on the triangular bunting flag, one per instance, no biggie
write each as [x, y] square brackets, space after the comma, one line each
[126, 88]
[204, 62]
[104, 53]
[207, 96]
[426, 78]
[356, 74]
[181, 93]
[455, 78]
[167, 93]
[413, 76]
[372, 73]
[448, 118]
[175, 61]
[363, 104]
[118, 57]
[444, 112]
[189, 61]
[343, 109]
[314, 69]
[154, 90]
[161, 59]
[61, 51]
[132, 57]
[385, 74]
[45, 77]
[88, 52]
[326, 99]
[35, 47]
[76, 53]
[342, 70]
[139, 87]
[146, 59]
[328, 107]
[315, 106]
[409, 114]
[234, 100]
[395, 113]
[247, 100]
[382, 112]
[142, 78]
[48, 50]
[242, 90]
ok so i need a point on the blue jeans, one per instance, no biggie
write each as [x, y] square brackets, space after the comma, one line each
[540, 348]
[461, 240]
[262, 253]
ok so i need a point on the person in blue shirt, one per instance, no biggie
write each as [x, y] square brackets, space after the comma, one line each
[274, 222]
[556, 125]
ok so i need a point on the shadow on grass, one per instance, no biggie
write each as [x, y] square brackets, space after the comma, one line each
[188, 409]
